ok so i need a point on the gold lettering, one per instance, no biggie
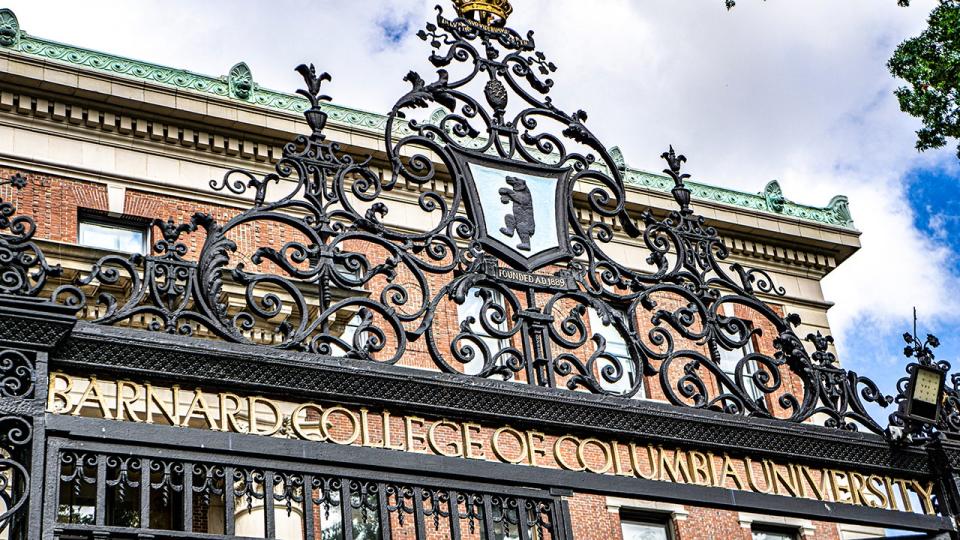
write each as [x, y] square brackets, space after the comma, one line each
[858, 483]
[676, 470]
[752, 482]
[126, 404]
[326, 425]
[412, 436]
[604, 449]
[228, 411]
[699, 468]
[300, 420]
[254, 416]
[651, 460]
[365, 430]
[498, 450]
[558, 452]
[535, 447]
[470, 444]
[875, 487]
[925, 496]
[819, 490]
[387, 428]
[199, 404]
[904, 485]
[170, 411]
[62, 396]
[617, 460]
[727, 470]
[441, 447]
[712, 467]
[842, 493]
[788, 481]
[888, 483]
[93, 391]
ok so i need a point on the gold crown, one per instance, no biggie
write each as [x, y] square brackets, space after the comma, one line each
[485, 11]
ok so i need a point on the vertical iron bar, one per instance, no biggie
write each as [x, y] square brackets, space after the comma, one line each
[52, 488]
[308, 518]
[346, 509]
[383, 512]
[145, 493]
[229, 502]
[34, 487]
[488, 532]
[523, 523]
[454, 510]
[100, 517]
[561, 519]
[187, 496]
[269, 517]
[418, 522]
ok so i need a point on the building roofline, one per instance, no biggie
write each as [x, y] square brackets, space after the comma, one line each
[770, 201]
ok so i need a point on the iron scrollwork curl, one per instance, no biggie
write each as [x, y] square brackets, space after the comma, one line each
[24, 270]
[16, 435]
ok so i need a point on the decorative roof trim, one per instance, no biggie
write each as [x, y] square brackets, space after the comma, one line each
[836, 213]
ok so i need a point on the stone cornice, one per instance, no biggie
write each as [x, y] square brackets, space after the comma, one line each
[777, 238]
[835, 213]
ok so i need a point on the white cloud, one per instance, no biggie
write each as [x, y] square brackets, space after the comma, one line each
[796, 91]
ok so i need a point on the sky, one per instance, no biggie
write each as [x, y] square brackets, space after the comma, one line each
[790, 90]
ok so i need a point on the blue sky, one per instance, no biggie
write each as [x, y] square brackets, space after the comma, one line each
[786, 90]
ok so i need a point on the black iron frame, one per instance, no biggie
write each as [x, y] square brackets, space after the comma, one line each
[335, 207]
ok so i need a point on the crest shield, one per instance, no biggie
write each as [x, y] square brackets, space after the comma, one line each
[520, 209]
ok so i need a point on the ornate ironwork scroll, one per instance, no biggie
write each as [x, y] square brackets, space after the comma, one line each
[903, 428]
[24, 270]
[17, 387]
[512, 277]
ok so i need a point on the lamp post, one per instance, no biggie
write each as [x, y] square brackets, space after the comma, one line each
[927, 415]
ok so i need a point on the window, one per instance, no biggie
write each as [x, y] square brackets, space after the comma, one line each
[112, 235]
[616, 346]
[646, 528]
[761, 532]
[471, 307]
[728, 364]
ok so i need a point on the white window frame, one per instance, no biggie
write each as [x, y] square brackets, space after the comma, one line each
[610, 334]
[103, 222]
[493, 343]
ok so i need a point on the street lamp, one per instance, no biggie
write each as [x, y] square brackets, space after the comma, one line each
[924, 394]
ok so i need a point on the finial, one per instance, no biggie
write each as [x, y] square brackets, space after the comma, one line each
[315, 116]
[921, 350]
[492, 12]
[680, 192]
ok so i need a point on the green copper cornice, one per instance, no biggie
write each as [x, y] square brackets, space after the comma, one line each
[835, 213]
[239, 85]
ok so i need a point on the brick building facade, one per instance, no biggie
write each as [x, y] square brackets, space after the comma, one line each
[109, 144]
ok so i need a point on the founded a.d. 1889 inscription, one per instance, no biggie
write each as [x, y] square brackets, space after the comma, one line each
[528, 279]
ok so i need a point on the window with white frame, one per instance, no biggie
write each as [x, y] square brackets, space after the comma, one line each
[763, 532]
[112, 235]
[616, 347]
[729, 361]
[472, 307]
[640, 527]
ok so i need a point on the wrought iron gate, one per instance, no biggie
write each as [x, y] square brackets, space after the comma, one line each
[105, 490]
